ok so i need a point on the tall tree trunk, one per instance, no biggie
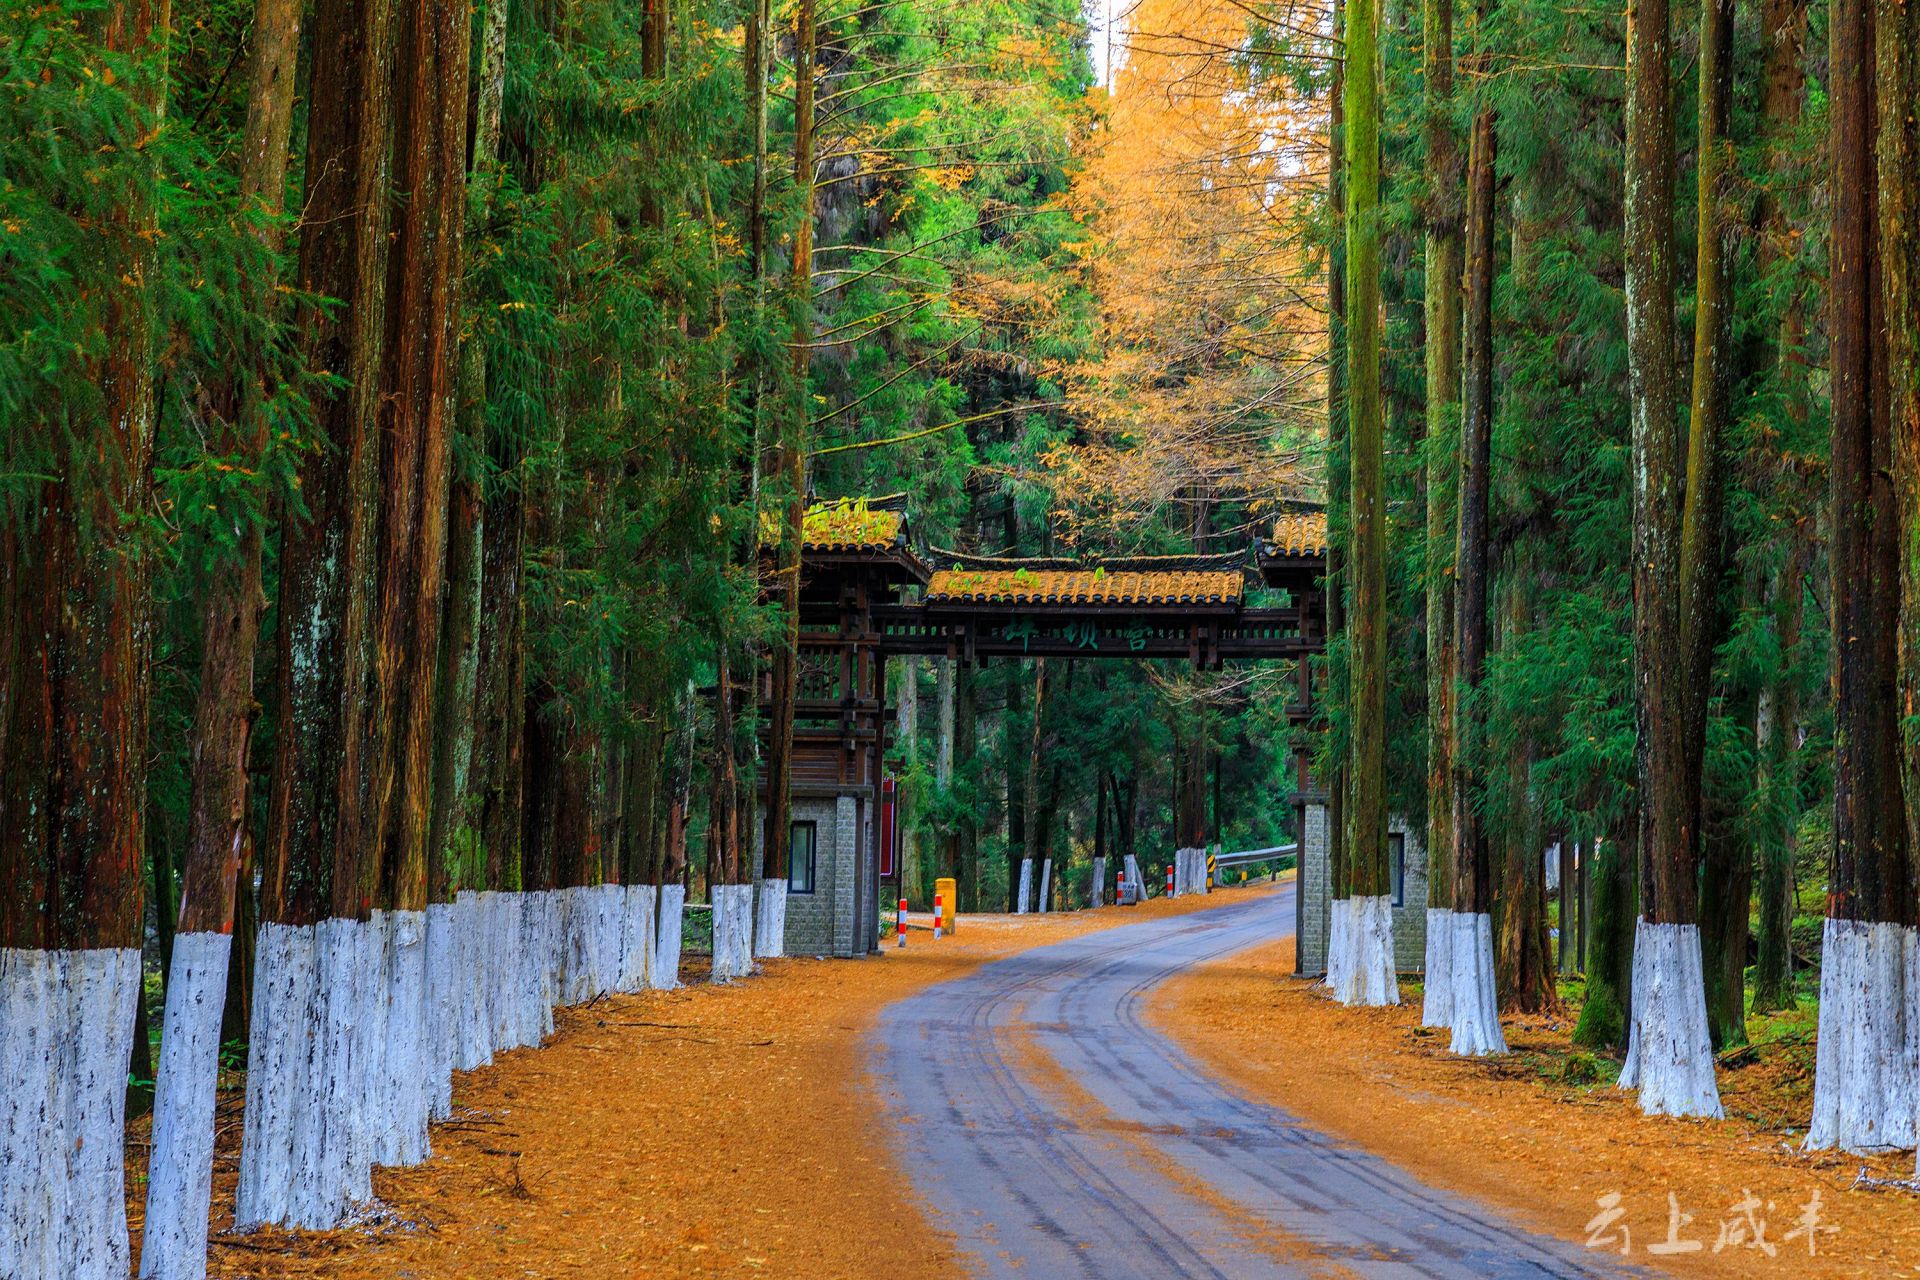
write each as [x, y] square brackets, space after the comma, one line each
[218, 837]
[1524, 975]
[1728, 868]
[1667, 945]
[453, 842]
[790, 454]
[1444, 250]
[1726, 896]
[1777, 772]
[1606, 1013]
[1898, 64]
[1859, 1103]
[419, 390]
[1367, 853]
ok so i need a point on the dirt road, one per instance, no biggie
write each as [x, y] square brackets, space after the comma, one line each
[1056, 1135]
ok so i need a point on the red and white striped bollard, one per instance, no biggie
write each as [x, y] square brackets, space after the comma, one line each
[900, 923]
[938, 915]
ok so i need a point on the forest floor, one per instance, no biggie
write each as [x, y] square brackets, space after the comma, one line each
[706, 1131]
[1542, 1133]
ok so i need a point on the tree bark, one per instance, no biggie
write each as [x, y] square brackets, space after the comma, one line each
[790, 454]
[1777, 771]
[418, 394]
[453, 840]
[1667, 844]
[1898, 62]
[1606, 1014]
[1870, 873]
[1444, 248]
[1473, 866]
[1368, 645]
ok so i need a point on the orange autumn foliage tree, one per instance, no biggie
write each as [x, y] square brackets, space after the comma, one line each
[1207, 377]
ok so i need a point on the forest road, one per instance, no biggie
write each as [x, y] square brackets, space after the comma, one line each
[1057, 1136]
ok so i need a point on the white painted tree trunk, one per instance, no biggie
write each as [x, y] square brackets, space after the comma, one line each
[732, 931]
[1475, 998]
[1369, 977]
[173, 1245]
[636, 957]
[578, 914]
[473, 915]
[1026, 887]
[1044, 901]
[666, 951]
[1097, 888]
[770, 918]
[613, 899]
[66, 1036]
[1864, 1074]
[1339, 944]
[1436, 1002]
[535, 1020]
[403, 1130]
[440, 1007]
[279, 1057]
[1134, 878]
[1669, 1055]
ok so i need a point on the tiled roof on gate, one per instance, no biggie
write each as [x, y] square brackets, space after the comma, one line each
[1299, 533]
[1096, 585]
[853, 524]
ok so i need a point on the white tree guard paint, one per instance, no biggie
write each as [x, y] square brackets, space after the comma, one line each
[1135, 879]
[1864, 1081]
[473, 1046]
[1042, 903]
[1669, 1055]
[173, 1245]
[31, 1175]
[409, 1074]
[1436, 1001]
[278, 1057]
[1190, 870]
[1097, 890]
[1476, 1000]
[636, 959]
[613, 933]
[536, 940]
[1026, 887]
[1369, 977]
[1339, 943]
[513, 1018]
[439, 1004]
[331, 1171]
[732, 931]
[66, 1036]
[666, 935]
[770, 918]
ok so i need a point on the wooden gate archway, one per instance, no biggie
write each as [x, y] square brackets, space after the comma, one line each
[857, 562]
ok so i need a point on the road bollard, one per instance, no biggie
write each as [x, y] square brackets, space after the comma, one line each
[1120, 887]
[900, 924]
[939, 916]
[1169, 879]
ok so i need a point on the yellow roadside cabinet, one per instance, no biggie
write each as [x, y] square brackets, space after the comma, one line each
[948, 890]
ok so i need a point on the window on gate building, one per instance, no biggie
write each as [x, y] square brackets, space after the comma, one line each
[1397, 860]
[800, 857]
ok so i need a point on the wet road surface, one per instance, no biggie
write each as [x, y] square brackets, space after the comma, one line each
[1057, 1136]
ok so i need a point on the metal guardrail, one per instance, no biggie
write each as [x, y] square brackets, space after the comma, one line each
[1245, 856]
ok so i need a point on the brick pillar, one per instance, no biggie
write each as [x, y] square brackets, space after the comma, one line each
[1315, 886]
